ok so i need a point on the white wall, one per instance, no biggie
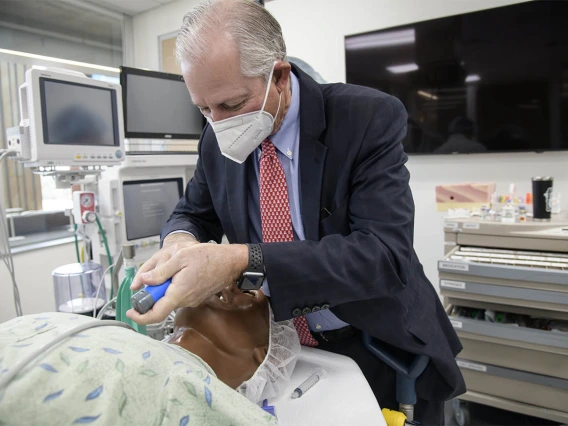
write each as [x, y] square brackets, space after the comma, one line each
[33, 275]
[149, 26]
[314, 31]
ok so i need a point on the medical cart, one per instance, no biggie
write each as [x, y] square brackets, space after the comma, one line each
[505, 287]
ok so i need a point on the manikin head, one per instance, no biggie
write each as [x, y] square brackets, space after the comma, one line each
[236, 335]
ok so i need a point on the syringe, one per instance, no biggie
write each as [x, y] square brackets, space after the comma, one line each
[309, 383]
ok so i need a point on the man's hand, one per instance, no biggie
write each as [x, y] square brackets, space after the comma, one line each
[198, 270]
[172, 244]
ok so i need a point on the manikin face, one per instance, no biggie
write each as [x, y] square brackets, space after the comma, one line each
[230, 333]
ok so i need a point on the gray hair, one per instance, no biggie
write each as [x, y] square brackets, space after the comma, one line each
[257, 34]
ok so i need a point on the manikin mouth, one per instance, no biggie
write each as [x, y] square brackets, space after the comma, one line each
[224, 296]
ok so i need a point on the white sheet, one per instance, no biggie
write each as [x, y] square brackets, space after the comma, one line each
[342, 398]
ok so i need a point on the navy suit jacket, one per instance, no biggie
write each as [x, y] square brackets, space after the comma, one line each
[358, 215]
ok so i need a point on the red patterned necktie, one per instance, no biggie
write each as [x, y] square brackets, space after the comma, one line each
[275, 216]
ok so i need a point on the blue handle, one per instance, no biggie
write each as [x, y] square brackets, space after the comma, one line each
[158, 291]
[406, 373]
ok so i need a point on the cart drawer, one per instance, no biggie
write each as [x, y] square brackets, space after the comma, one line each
[515, 276]
[505, 345]
[529, 388]
[481, 303]
[513, 242]
[505, 295]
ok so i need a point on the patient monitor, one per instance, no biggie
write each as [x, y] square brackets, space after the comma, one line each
[68, 119]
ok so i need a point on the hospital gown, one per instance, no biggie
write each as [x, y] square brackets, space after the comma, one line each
[111, 376]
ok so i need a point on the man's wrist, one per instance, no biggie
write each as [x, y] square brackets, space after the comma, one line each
[179, 238]
[240, 260]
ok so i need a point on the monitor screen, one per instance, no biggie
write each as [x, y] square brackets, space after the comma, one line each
[158, 105]
[78, 114]
[148, 205]
[489, 81]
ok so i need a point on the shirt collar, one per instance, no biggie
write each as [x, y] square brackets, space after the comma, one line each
[285, 139]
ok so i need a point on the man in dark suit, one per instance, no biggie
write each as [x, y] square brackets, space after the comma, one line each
[308, 183]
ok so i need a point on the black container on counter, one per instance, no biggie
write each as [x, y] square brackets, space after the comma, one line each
[542, 196]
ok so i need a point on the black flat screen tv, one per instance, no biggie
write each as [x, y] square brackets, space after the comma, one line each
[489, 81]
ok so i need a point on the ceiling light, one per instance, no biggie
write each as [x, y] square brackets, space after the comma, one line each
[389, 38]
[427, 95]
[60, 61]
[472, 78]
[399, 69]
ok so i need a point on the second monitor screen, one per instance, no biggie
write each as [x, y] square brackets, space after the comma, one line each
[160, 106]
[148, 205]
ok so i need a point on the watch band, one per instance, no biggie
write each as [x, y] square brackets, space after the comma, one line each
[256, 263]
[253, 276]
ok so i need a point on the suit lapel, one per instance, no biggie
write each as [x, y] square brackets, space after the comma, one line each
[237, 194]
[312, 156]
[312, 152]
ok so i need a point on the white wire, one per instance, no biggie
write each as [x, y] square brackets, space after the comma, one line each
[5, 249]
[105, 307]
[5, 152]
[99, 289]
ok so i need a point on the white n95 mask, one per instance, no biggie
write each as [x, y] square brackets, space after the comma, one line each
[240, 135]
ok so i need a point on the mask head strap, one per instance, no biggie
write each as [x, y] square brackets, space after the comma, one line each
[268, 88]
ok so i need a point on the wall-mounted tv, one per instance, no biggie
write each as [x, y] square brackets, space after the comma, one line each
[489, 81]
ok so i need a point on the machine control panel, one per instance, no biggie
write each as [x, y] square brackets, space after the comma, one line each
[90, 157]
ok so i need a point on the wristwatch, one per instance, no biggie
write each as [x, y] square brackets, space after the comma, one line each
[253, 276]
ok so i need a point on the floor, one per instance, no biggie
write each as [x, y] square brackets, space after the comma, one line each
[481, 415]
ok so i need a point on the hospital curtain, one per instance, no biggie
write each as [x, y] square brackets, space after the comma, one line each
[22, 189]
